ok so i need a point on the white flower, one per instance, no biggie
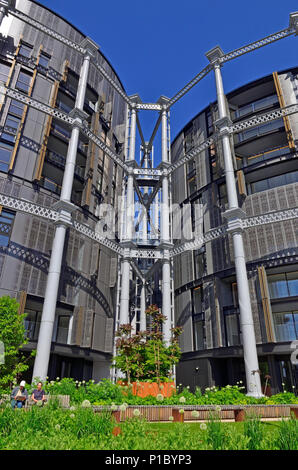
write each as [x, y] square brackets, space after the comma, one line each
[114, 407]
[72, 416]
[195, 414]
[188, 387]
[86, 404]
[57, 378]
[72, 408]
[182, 399]
[207, 389]
[122, 407]
[181, 411]
[218, 408]
[57, 427]
[171, 418]
[203, 426]
[159, 397]
[136, 412]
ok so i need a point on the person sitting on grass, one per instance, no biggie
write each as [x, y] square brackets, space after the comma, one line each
[38, 395]
[19, 395]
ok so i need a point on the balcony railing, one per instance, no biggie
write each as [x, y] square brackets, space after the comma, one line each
[255, 107]
[60, 161]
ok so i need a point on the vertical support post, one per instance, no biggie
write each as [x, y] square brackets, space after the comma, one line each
[129, 214]
[165, 228]
[65, 209]
[234, 215]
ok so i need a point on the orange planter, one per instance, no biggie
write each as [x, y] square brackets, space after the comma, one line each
[143, 389]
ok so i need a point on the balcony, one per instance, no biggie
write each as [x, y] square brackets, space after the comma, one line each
[256, 107]
[60, 160]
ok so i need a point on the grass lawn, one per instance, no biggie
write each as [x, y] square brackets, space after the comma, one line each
[53, 428]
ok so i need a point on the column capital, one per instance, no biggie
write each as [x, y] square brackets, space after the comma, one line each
[214, 55]
[91, 48]
[293, 24]
[8, 4]
[127, 246]
[131, 164]
[134, 100]
[78, 115]
[164, 102]
[65, 210]
[166, 245]
[222, 125]
[234, 218]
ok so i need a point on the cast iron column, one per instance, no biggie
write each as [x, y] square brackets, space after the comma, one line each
[65, 209]
[234, 226]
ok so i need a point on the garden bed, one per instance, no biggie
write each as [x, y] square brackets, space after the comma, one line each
[162, 413]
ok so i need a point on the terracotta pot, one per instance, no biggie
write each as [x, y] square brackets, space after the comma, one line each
[239, 415]
[178, 417]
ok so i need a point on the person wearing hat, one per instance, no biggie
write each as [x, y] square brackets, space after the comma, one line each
[19, 395]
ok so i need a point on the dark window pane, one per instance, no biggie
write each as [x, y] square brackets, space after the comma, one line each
[4, 72]
[16, 108]
[43, 60]
[6, 219]
[25, 51]
[284, 326]
[5, 153]
[292, 279]
[23, 82]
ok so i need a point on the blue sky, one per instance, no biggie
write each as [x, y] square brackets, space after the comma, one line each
[157, 46]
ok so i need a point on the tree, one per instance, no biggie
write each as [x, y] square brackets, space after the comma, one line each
[13, 336]
[144, 356]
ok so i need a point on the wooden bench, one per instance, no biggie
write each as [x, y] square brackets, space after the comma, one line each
[64, 400]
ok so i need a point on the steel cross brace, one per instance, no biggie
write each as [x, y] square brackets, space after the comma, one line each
[154, 106]
[37, 210]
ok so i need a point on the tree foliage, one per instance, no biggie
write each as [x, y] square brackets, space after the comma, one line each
[144, 355]
[13, 336]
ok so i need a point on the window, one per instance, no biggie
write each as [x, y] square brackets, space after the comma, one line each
[16, 108]
[44, 60]
[25, 50]
[232, 326]
[62, 330]
[286, 326]
[283, 285]
[4, 72]
[209, 120]
[192, 185]
[199, 263]
[5, 154]
[64, 106]
[6, 222]
[260, 130]
[197, 298]
[273, 182]
[199, 332]
[32, 324]
[268, 155]
[222, 194]
[60, 130]
[11, 127]
[256, 106]
[23, 82]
